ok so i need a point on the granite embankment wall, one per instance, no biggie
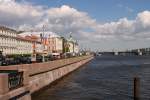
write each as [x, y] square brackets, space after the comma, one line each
[37, 76]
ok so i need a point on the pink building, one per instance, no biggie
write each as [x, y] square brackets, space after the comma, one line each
[55, 44]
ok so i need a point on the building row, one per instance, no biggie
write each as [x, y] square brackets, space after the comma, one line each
[11, 42]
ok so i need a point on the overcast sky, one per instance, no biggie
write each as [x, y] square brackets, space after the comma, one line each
[96, 24]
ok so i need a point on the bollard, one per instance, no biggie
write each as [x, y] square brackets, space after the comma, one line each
[136, 88]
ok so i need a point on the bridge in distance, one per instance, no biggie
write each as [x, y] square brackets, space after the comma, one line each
[142, 51]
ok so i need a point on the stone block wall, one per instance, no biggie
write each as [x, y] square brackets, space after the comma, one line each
[38, 75]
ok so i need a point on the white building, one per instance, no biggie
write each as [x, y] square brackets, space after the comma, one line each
[11, 43]
[76, 47]
[36, 43]
[8, 40]
[73, 45]
[53, 43]
[24, 46]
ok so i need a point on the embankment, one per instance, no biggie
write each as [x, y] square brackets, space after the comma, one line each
[19, 81]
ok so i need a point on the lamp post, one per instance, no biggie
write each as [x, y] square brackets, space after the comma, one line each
[34, 49]
[43, 59]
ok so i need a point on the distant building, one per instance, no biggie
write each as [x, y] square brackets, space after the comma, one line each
[8, 40]
[13, 43]
[55, 44]
[36, 43]
[24, 46]
[73, 45]
[76, 47]
[51, 42]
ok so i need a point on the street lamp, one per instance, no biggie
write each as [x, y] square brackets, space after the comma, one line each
[43, 59]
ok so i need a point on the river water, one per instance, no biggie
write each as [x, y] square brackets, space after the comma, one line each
[104, 78]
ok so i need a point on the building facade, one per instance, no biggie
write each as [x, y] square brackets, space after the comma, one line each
[36, 43]
[12, 43]
[24, 46]
[8, 41]
[55, 44]
[73, 45]
[76, 47]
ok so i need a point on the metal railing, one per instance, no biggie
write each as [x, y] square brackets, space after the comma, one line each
[15, 80]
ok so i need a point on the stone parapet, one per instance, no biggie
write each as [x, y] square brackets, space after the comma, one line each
[37, 75]
[3, 83]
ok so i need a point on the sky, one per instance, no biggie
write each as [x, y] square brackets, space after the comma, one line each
[102, 25]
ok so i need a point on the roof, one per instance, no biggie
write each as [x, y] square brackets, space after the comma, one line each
[46, 34]
[28, 38]
[8, 29]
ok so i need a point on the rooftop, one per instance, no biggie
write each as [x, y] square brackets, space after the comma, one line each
[8, 29]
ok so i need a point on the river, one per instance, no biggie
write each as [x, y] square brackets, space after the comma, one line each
[104, 78]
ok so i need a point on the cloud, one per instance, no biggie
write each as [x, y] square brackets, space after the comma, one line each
[127, 29]
[65, 19]
[128, 9]
[16, 14]
[26, 16]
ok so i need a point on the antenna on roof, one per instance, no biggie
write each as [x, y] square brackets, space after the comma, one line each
[31, 32]
[70, 35]
[43, 29]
